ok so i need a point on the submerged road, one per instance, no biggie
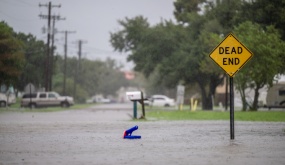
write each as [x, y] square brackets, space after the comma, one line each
[94, 136]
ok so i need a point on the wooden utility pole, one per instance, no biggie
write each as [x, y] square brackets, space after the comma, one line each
[54, 31]
[78, 69]
[47, 75]
[65, 58]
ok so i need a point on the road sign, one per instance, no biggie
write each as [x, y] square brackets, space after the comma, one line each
[231, 55]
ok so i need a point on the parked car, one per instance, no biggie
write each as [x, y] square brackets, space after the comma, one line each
[159, 100]
[98, 99]
[7, 99]
[45, 99]
[102, 100]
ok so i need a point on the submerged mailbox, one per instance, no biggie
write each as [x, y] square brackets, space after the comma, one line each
[134, 96]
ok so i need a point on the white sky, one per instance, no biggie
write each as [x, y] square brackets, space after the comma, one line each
[93, 20]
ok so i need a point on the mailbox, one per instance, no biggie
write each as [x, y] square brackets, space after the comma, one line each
[137, 96]
[134, 96]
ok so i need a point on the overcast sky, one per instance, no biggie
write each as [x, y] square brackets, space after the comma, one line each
[93, 20]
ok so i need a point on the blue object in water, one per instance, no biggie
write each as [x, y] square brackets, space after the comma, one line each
[128, 133]
[132, 137]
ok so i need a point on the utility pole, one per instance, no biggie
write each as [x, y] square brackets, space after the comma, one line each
[54, 31]
[47, 61]
[65, 58]
[78, 69]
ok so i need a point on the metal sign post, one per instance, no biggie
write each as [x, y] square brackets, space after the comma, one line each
[232, 117]
[231, 55]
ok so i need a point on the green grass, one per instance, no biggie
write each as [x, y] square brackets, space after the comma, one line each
[274, 116]
[159, 114]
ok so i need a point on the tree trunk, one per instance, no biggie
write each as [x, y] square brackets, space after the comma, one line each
[206, 99]
[243, 99]
[241, 86]
[255, 99]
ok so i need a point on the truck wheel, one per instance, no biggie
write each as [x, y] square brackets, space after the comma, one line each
[64, 104]
[2, 104]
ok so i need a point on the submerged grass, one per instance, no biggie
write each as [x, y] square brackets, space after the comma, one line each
[273, 116]
[15, 108]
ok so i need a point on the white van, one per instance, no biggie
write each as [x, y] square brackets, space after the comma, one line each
[276, 96]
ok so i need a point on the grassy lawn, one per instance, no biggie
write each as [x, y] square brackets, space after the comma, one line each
[186, 114]
[275, 116]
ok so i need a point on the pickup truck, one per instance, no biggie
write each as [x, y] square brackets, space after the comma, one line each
[7, 99]
[45, 99]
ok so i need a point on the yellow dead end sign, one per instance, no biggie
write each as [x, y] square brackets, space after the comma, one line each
[231, 55]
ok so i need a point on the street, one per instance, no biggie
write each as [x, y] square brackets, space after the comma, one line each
[94, 136]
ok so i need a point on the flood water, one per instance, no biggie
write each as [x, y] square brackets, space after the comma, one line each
[94, 136]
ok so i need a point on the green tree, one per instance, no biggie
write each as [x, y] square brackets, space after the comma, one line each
[127, 39]
[34, 53]
[176, 51]
[192, 55]
[226, 13]
[111, 78]
[82, 88]
[268, 48]
[11, 56]
[185, 8]
[203, 34]
[265, 13]
[150, 48]
[179, 53]
[94, 77]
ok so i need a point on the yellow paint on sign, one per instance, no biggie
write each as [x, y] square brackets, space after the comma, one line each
[231, 55]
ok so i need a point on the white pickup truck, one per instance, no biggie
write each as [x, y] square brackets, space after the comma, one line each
[7, 99]
[46, 99]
